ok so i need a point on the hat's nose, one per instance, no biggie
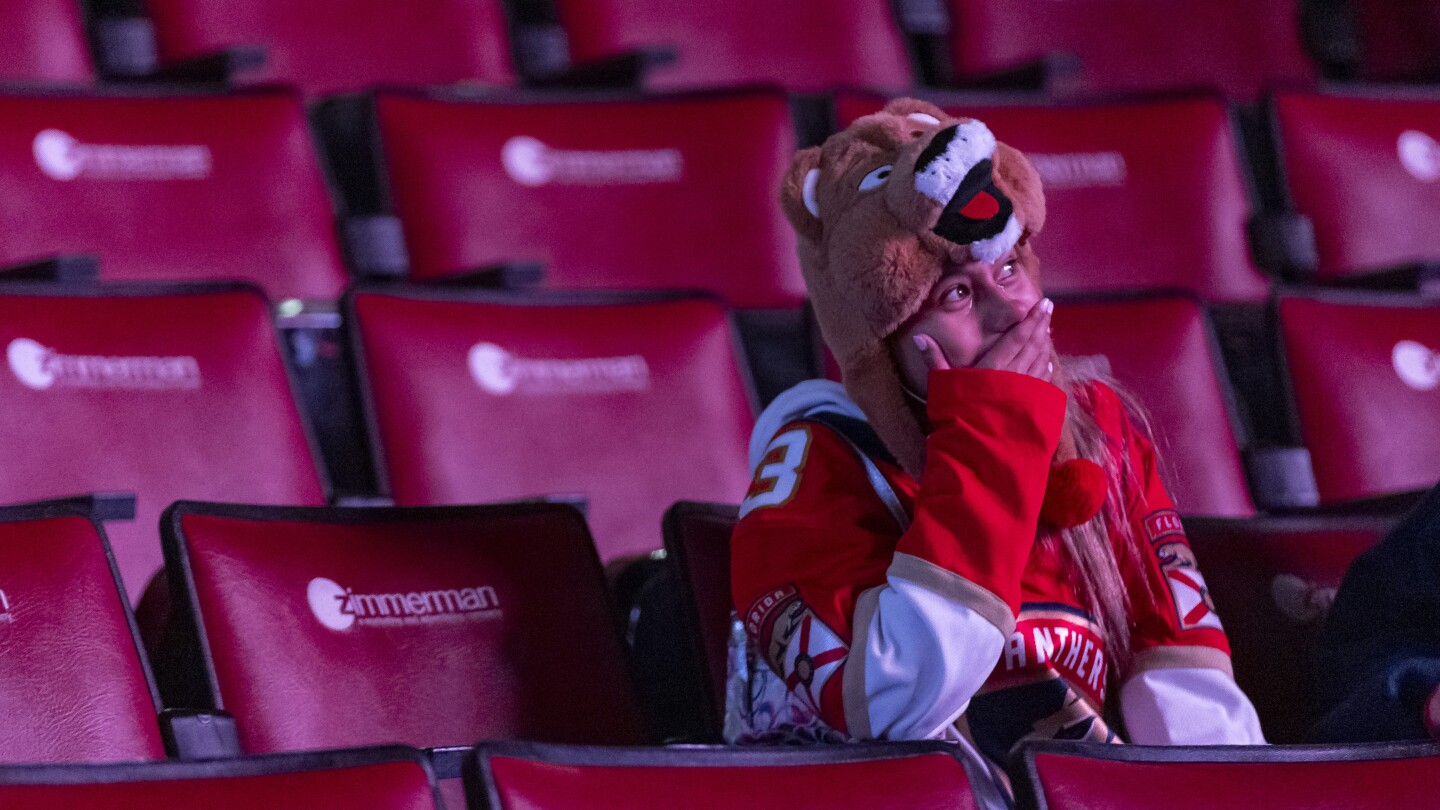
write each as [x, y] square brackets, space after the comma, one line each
[936, 148]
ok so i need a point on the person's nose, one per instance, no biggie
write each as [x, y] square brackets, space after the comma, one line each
[1002, 310]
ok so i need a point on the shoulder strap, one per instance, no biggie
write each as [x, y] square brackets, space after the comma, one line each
[862, 439]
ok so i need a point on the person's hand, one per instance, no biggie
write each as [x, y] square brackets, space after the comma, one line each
[1025, 348]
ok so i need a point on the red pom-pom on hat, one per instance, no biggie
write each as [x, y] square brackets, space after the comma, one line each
[1074, 494]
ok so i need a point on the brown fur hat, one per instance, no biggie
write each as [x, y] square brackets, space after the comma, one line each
[879, 210]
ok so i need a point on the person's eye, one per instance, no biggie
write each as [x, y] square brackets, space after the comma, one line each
[1007, 271]
[958, 294]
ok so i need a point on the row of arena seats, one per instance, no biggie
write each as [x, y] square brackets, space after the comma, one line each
[678, 191]
[626, 401]
[1233, 46]
[1064, 776]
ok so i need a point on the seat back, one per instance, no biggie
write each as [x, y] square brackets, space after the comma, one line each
[1070, 776]
[632, 402]
[170, 188]
[1145, 195]
[800, 45]
[43, 41]
[1273, 579]
[430, 626]
[74, 686]
[1364, 372]
[391, 778]
[99, 397]
[1366, 171]
[326, 46]
[921, 775]
[1161, 350]
[653, 194]
[697, 547]
[1236, 47]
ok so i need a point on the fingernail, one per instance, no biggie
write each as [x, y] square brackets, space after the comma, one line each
[919, 342]
[1050, 368]
[1048, 306]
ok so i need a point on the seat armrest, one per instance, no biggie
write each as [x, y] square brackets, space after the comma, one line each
[194, 735]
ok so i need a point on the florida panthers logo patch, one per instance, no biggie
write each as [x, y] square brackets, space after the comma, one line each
[799, 647]
[1193, 607]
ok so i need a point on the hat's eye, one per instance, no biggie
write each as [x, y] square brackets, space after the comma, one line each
[875, 179]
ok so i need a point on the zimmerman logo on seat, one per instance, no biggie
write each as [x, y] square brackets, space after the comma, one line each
[40, 368]
[340, 608]
[501, 373]
[1417, 365]
[1420, 155]
[62, 157]
[531, 163]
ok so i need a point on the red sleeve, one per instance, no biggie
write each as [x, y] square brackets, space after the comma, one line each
[814, 536]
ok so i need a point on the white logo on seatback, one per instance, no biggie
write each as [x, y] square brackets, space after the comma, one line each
[531, 163]
[501, 373]
[40, 367]
[340, 608]
[1420, 155]
[1417, 365]
[61, 157]
[6, 617]
[1079, 169]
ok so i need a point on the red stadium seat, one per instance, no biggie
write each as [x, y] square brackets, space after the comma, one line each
[697, 548]
[1273, 579]
[1072, 776]
[170, 188]
[634, 402]
[1366, 172]
[1234, 46]
[915, 775]
[1174, 371]
[674, 193]
[1143, 195]
[391, 778]
[800, 45]
[326, 46]
[169, 392]
[73, 684]
[428, 626]
[1364, 372]
[44, 41]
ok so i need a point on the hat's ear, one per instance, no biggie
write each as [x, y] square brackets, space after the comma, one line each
[797, 194]
[1021, 183]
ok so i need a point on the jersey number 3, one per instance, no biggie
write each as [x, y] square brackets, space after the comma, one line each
[779, 474]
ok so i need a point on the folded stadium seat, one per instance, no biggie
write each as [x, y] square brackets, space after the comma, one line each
[1060, 775]
[919, 775]
[1123, 46]
[1364, 377]
[804, 45]
[1175, 372]
[1272, 580]
[74, 686]
[632, 401]
[325, 46]
[171, 392]
[673, 192]
[1365, 171]
[1142, 195]
[43, 41]
[388, 778]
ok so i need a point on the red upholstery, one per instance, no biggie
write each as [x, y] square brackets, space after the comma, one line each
[201, 408]
[1273, 580]
[697, 542]
[72, 685]
[1236, 46]
[300, 666]
[1141, 196]
[634, 405]
[1366, 382]
[363, 779]
[800, 44]
[43, 40]
[896, 776]
[1367, 173]
[329, 46]
[676, 193]
[1159, 349]
[1237, 777]
[233, 191]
